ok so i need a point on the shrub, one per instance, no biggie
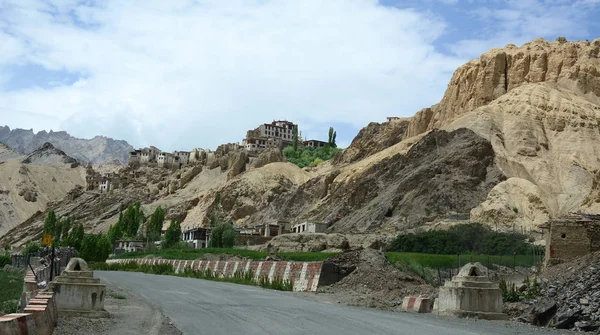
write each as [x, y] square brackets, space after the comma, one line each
[464, 239]
[31, 247]
[95, 248]
[509, 292]
[4, 260]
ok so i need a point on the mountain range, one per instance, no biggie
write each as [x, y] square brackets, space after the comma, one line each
[97, 150]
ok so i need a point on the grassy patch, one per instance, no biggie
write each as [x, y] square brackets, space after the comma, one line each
[240, 277]
[190, 254]
[451, 261]
[118, 296]
[11, 287]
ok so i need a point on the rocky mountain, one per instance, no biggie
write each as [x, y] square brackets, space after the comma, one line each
[97, 150]
[542, 117]
[48, 155]
[514, 141]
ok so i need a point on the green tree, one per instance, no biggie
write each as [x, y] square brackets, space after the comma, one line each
[330, 138]
[295, 138]
[333, 144]
[172, 235]
[75, 238]
[223, 235]
[50, 223]
[154, 227]
[95, 248]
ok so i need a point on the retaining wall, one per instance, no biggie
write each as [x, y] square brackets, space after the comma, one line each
[305, 276]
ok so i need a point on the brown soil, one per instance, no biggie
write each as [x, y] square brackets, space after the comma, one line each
[371, 281]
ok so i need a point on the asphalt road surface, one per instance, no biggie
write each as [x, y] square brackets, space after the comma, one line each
[206, 307]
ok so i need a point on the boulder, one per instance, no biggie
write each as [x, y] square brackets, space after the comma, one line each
[542, 312]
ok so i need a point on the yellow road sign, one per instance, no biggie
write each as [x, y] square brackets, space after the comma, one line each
[47, 239]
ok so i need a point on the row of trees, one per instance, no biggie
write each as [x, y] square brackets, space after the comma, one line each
[97, 247]
[65, 232]
[471, 238]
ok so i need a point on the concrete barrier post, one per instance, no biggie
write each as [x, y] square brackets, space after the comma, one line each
[51, 311]
[18, 324]
[51, 303]
[41, 316]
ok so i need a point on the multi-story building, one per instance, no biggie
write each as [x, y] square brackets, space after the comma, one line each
[277, 134]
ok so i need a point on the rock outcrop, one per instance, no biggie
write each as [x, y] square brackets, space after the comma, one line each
[372, 139]
[237, 164]
[570, 65]
[513, 203]
[267, 157]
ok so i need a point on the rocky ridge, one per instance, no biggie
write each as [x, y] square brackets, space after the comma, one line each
[97, 150]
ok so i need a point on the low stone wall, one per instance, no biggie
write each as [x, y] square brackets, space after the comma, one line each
[305, 276]
[40, 313]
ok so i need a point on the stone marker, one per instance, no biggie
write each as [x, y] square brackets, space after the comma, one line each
[77, 292]
[471, 294]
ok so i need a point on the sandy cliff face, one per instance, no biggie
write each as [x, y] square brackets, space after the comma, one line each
[539, 106]
[571, 65]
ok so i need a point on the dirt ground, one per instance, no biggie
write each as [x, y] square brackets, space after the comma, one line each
[372, 282]
[129, 314]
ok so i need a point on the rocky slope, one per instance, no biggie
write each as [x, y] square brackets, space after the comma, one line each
[372, 139]
[7, 153]
[539, 106]
[97, 150]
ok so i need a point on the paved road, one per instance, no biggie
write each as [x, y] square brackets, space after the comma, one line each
[206, 307]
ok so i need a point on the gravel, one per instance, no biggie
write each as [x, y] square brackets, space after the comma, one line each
[371, 281]
[129, 314]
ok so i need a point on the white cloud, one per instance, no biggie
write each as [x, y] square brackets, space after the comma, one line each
[182, 74]
[520, 21]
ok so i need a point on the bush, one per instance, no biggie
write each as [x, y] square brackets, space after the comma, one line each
[472, 238]
[307, 156]
[222, 236]
[509, 292]
[4, 260]
[95, 248]
[31, 247]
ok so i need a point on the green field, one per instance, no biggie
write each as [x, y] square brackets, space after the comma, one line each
[11, 287]
[189, 254]
[452, 261]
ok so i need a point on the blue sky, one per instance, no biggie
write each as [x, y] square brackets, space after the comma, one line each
[196, 73]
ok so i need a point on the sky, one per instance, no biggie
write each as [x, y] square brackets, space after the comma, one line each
[183, 74]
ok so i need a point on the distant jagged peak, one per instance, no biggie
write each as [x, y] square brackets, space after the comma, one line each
[47, 154]
[97, 150]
